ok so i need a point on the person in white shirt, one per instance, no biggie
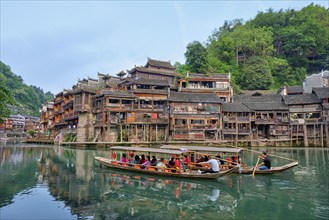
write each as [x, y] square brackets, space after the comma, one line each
[214, 166]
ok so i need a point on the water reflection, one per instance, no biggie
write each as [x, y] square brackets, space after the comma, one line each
[73, 177]
[150, 197]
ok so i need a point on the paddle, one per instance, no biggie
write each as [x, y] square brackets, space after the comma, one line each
[253, 173]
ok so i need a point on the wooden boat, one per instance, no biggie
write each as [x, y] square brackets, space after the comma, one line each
[168, 172]
[231, 151]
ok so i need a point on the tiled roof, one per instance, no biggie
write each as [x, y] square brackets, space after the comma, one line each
[261, 98]
[257, 92]
[209, 76]
[266, 106]
[159, 63]
[121, 94]
[113, 82]
[301, 99]
[85, 89]
[234, 107]
[325, 106]
[153, 71]
[151, 82]
[294, 89]
[321, 92]
[194, 97]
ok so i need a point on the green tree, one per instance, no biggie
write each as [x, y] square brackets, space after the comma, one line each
[28, 98]
[256, 74]
[196, 57]
[181, 68]
[6, 99]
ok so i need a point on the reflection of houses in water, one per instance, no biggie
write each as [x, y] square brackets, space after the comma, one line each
[161, 198]
[107, 194]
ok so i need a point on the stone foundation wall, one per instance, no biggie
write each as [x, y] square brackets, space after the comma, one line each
[85, 130]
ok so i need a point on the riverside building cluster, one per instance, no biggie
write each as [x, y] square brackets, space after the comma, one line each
[155, 104]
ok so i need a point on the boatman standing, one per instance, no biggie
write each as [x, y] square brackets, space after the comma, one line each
[214, 166]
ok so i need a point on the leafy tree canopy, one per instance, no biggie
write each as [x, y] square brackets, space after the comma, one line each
[287, 44]
[28, 99]
[196, 57]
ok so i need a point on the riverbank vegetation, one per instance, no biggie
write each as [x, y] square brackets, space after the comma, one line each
[274, 49]
[18, 98]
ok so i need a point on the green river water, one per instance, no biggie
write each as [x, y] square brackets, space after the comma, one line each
[54, 182]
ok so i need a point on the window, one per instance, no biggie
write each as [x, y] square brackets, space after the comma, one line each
[114, 101]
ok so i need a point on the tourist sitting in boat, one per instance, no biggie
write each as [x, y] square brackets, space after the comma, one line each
[147, 162]
[123, 159]
[187, 161]
[179, 164]
[154, 161]
[214, 166]
[142, 160]
[200, 159]
[136, 161]
[229, 162]
[206, 158]
[266, 165]
[161, 164]
[220, 160]
[234, 159]
[171, 163]
[131, 158]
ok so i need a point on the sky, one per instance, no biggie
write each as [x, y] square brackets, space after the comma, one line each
[53, 44]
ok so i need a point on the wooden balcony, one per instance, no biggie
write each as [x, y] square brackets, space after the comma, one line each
[305, 109]
[297, 133]
[297, 121]
[229, 131]
[313, 120]
[264, 121]
[71, 116]
[150, 121]
[279, 132]
[181, 127]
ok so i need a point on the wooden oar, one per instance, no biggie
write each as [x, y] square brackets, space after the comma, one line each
[253, 172]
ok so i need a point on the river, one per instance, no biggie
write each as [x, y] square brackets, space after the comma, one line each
[54, 182]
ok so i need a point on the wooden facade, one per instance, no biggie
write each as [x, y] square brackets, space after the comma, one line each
[236, 122]
[194, 116]
[305, 116]
[148, 120]
[46, 117]
[58, 122]
[145, 107]
[202, 83]
[157, 70]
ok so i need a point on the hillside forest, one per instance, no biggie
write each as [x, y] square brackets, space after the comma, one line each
[21, 98]
[273, 49]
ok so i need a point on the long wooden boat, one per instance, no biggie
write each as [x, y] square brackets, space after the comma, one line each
[193, 174]
[171, 172]
[233, 151]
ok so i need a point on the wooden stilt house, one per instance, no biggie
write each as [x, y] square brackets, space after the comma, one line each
[195, 116]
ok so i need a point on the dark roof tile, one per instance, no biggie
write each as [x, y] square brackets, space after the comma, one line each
[151, 82]
[260, 98]
[194, 97]
[301, 99]
[266, 106]
[295, 90]
[159, 63]
[152, 71]
[234, 107]
[121, 94]
[209, 76]
[325, 106]
[321, 92]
